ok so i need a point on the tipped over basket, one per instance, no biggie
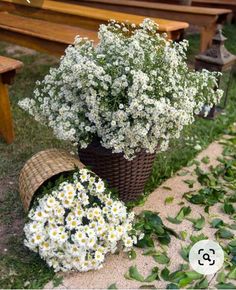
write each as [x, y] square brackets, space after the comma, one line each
[40, 168]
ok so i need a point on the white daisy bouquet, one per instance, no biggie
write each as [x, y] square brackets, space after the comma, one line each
[77, 222]
[133, 90]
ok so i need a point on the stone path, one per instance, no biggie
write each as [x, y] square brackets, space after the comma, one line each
[117, 265]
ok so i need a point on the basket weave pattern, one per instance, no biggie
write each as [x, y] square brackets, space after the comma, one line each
[128, 177]
[40, 168]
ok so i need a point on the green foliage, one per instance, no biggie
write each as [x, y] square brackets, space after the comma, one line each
[184, 211]
[133, 274]
[169, 200]
[159, 256]
[112, 286]
[132, 254]
[217, 223]
[152, 226]
[198, 223]
[190, 182]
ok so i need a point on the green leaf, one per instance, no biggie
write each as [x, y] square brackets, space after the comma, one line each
[190, 276]
[153, 276]
[112, 286]
[147, 287]
[185, 281]
[133, 274]
[57, 280]
[224, 234]
[150, 252]
[145, 242]
[184, 267]
[162, 258]
[198, 238]
[167, 188]
[169, 199]
[184, 252]
[198, 223]
[190, 182]
[217, 223]
[193, 162]
[194, 275]
[232, 226]
[184, 211]
[132, 254]
[165, 274]
[173, 220]
[183, 235]
[228, 208]
[172, 286]
[232, 274]
[206, 160]
[152, 226]
[182, 173]
[225, 286]
[207, 196]
[203, 284]
[221, 278]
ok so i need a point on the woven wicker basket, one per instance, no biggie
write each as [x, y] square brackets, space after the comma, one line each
[40, 168]
[128, 177]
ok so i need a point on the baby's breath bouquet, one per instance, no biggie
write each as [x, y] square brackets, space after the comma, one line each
[77, 223]
[134, 90]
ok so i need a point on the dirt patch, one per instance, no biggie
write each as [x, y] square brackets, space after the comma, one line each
[11, 214]
[17, 51]
[7, 184]
[46, 60]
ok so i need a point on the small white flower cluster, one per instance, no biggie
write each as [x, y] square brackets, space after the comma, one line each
[78, 223]
[133, 90]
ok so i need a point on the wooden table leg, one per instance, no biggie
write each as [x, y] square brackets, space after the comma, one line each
[207, 34]
[6, 124]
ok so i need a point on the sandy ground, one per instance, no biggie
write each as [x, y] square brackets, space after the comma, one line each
[117, 265]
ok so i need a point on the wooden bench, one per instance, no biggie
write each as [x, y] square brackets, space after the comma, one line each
[83, 17]
[38, 34]
[205, 18]
[229, 4]
[8, 69]
[224, 4]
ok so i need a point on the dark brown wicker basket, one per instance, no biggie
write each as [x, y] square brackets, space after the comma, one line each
[128, 177]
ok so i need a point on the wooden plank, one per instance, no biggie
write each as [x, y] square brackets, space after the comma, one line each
[38, 44]
[92, 15]
[6, 123]
[59, 33]
[229, 4]
[215, 2]
[8, 64]
[160, 6]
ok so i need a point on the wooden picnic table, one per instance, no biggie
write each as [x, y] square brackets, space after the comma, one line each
[205, 18]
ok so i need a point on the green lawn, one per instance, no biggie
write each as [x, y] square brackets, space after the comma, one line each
[19, 268]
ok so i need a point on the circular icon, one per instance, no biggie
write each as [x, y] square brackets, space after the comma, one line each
[206, 257]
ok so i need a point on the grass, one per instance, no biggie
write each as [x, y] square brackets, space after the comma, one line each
[20, 268]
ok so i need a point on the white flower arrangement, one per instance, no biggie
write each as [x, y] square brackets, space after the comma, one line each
[77, 223]
[133, 90]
